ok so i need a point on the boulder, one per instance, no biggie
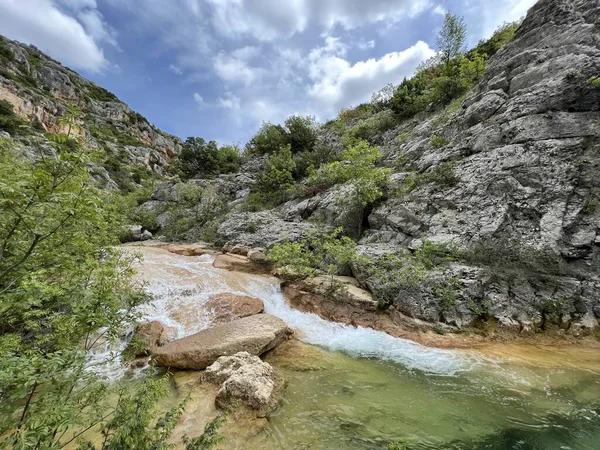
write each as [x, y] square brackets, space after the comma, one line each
[146, 236]
[237, 263]
[197, 249]
[243, 377]
[255, 335]
[147, 338]
[258, 255]
[228, 307]
[131, 233]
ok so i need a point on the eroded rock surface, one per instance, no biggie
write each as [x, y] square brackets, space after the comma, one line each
[255, 335]
[227, 307]
[244, 377]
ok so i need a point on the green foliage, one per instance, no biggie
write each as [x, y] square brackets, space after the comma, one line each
[269, 139]
[451, 39]
[358, 168]
[407, 270]
[205, 159]
[62, 289]
[445, 291]
[438, 142]
[113, 134]
[309, 161]
[6, 54]
[198, 157]
[448, 76]
[595, 81]
[196, 209]
[301, 133]
[590, 206]
[94, 92]
[275, 182]
[499, 39]
[34, 59]
[9, 121]
[210, 438]
[371, 128]
[328, 253]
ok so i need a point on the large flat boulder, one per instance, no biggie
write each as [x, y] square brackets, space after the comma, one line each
[228, 307]
[255, 335]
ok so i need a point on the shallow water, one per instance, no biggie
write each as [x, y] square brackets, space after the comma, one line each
[356, 388]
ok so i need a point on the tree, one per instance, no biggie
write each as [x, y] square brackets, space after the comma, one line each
[451, 39]
[358, 168]
[301, 133]
[269, 139]
[63, 289]
[278, 174]
[198, 157]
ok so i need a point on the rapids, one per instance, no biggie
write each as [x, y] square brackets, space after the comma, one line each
[357, 388]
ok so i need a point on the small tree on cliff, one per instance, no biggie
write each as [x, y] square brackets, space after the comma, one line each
[451, 39]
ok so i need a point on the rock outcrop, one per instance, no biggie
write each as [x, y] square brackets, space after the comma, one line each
[40, 88]
[255, 334]
[244, 377]
[509, 178]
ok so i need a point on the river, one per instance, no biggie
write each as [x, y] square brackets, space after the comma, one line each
[356, 388]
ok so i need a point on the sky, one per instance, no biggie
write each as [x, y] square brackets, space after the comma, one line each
[219, 68]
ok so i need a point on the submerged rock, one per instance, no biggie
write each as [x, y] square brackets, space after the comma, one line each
[245, 378]
[255, 335]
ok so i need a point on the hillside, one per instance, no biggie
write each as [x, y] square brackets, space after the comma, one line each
[500, 185]
[40, 89]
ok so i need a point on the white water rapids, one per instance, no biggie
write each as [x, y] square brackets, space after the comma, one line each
[181, 285]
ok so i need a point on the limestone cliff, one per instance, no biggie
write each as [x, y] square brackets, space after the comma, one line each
[40, 88]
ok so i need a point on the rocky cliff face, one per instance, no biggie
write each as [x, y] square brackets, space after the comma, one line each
[40, 88]
[517, 186]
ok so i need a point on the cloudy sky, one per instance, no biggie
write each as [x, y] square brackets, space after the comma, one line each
[218, 68]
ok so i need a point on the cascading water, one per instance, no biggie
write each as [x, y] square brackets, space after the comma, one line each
[180, 286]
[387, 389]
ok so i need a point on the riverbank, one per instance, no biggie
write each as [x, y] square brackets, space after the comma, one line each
[335, 308]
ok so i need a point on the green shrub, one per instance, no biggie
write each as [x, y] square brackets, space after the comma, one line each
[269, 139]
[278, 174]
[438, 142]
[590, 206]
[100, 94]
[6, 54]
[301, 133]
[9, 121]
[328, 253]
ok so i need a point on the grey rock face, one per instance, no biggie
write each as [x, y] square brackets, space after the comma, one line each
[525, 150]
[262, 229]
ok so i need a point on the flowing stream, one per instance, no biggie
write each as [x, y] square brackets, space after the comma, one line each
[356, 388]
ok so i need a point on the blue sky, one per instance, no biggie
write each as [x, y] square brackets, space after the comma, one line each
[218, 68]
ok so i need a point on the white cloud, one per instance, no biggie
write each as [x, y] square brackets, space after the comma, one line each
[43, 24]
[94, 24]
[439, 10]
[176, 70]
[337, 83]
[233, 70]
[199, 101]
[488, 15]
[366, 45]
[229, 101]
[267, 20]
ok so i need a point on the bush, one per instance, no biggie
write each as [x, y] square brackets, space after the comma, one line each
[6, 53]
[301, 133]
[328, 253]
[98, 93]
[9, 121]
[269, 139]
[438, 142]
